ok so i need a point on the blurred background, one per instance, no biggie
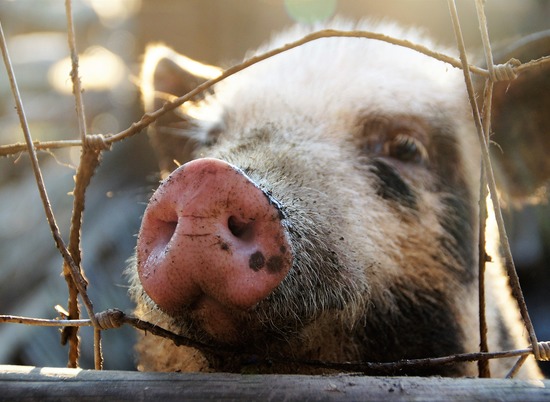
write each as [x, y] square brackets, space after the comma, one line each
[111, 36]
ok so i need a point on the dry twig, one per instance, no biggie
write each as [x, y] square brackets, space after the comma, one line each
[507, 254]
[483, 364]
[80, 282]
[115, 318]
[149, 118]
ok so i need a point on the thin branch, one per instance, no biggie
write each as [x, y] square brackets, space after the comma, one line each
[507, 254]
[378, 368]
[89, 160]
[514, 370]
[77, 88]
[115, 318]
[14, 319]
[484, 371]
[13, 149]
[80, 281]
[537, 63]
[149, 118]
[483, 364]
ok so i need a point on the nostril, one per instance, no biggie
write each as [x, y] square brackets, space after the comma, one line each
[166, 231]
[240, 229]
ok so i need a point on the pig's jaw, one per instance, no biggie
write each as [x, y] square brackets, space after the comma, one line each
[212, 323]
[218, 321]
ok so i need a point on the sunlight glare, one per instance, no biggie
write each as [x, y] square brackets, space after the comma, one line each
[99, 70]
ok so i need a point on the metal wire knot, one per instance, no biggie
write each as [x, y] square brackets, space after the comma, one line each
[506, 71]
[96, 142]
[108, 319]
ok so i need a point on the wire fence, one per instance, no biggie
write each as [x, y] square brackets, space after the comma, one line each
[93, 146]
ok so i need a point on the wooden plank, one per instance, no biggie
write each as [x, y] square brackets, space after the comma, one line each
[24, 383]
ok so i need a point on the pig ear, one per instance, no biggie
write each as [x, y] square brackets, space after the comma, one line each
[521, 121]
[166, 75]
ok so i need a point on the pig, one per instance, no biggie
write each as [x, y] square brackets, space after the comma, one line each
[326, 208]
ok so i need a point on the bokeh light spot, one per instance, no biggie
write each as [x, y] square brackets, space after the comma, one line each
[99, 69]
[310, 11]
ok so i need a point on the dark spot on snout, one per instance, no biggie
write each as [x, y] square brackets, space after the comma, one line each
[256, 261]
[275, 264]
[391, 186]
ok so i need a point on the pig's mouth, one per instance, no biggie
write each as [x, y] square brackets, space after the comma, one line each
[220, 322]
[211, 322]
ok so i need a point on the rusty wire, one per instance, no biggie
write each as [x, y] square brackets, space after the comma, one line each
[93, 145]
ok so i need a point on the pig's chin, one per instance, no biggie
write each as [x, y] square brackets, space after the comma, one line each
[221, 323]
[212, 322]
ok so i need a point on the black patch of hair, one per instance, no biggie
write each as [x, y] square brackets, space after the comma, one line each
[425, 327]
[457, 215]
[391, 186]
[456, 220]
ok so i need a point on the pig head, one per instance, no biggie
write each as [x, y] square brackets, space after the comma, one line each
[326, 208]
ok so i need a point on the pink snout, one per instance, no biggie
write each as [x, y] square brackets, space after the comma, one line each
[211, 240]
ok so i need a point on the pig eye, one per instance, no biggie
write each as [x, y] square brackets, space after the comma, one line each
[406, 149]
[401, 137]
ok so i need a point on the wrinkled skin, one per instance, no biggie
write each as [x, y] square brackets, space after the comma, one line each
[356, 165]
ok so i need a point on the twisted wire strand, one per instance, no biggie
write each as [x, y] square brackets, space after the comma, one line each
[544, 351]
[114, 318]
[97, 142]
[506, 71]
[109, 319]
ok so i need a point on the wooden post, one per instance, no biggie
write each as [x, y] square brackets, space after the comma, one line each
[59, 384]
